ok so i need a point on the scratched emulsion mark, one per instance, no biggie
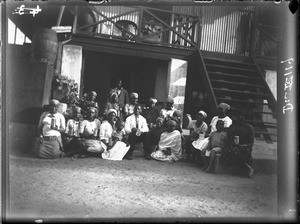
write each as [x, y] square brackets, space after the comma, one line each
[22, 10]
[288, 74]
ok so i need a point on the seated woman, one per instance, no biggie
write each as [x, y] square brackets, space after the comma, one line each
[112, 140]
[113, 104]
[239, 145]
[72, 142]
[89, 133]
[198, 129]
[88, 102]
[217, 142]
[51, 125]
[222, 110]
[169, 146]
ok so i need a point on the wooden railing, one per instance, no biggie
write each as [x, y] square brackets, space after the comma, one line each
[144, 25]
[265, 44]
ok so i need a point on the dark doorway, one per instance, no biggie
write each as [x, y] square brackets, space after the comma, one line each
[101, 72]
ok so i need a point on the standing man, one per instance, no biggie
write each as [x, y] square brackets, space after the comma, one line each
[122, 94]
[137, 129]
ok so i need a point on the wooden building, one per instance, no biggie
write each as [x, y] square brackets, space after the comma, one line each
[200, 54]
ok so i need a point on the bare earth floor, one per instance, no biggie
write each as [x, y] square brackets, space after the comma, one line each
[97, 188]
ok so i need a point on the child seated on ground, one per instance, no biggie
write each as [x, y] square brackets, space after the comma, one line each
[119, 134]
[217, 141]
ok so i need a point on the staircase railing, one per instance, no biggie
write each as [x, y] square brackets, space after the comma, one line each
[265, 44]
[210, 93]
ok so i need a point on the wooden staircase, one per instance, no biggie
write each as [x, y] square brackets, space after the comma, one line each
[242, 86]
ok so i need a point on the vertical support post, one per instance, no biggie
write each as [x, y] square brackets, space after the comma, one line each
[61, 11]
[253, 30]
[75, 20]
[140, 24]
[172, 24]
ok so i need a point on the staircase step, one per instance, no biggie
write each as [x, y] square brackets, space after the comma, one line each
[227, 62]
[220, 99]
[217, 67]
[252, 94]
[235, 76]
[236, 83]
[262, 123]
[252, 111]
[265, 133]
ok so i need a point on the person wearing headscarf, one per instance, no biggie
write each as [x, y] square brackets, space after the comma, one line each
[169, 146]
[198, 128]
[122, 94]
[50, 127]
[113, 150]
[133, 100]
[150, 112]
[169, 109]
[89, 133]
[113, 104]
[137, 129]
[88, 102]
[222, 110]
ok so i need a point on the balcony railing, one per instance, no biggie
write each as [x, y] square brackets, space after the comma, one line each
[143, 25]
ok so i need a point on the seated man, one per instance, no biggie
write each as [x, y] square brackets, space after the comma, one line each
[239, 145]
[137, 129]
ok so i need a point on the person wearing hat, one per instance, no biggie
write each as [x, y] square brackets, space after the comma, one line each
[133, 100]
[50, 127]
[89, 133]
[150, 112]
[113, 104]
[169, 146]
[137, 128]
[198, 129]
[108, 126]
[122, 94]
[222, 110]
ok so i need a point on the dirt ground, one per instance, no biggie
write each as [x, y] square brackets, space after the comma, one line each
[97, 188]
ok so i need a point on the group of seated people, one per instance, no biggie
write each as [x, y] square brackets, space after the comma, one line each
[114, 133]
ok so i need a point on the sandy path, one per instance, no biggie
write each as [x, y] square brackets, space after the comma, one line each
[97, 188]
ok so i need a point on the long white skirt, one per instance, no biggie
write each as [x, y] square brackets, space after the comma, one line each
[201, 144]
[117, 152]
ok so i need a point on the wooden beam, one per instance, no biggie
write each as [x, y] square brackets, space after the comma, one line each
[178, 25]
[109, 18]
[130, 48]
[193, 44]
